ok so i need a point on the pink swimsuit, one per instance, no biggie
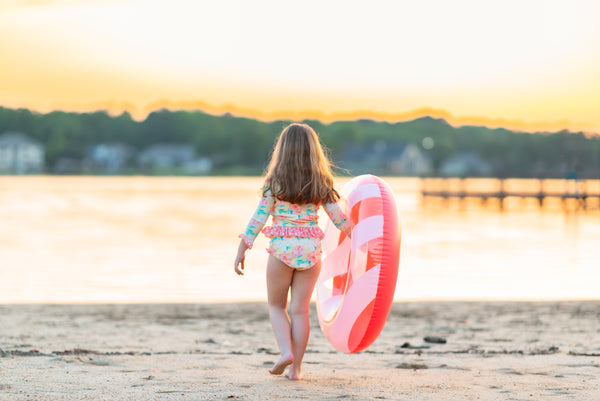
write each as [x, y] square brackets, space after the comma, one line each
[295, 233]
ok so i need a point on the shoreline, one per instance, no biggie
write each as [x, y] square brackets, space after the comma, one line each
[493, 350]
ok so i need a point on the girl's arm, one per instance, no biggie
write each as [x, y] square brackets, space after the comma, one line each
[338, 217]
[238, 265]
[256, 224]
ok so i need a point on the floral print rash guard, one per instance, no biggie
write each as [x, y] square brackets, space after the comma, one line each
[295, 233]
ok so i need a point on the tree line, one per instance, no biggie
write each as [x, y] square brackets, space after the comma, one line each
[238, 145]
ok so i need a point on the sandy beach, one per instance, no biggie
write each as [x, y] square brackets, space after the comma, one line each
[493, 351]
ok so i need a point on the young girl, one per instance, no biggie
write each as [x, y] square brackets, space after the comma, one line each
[297, 182]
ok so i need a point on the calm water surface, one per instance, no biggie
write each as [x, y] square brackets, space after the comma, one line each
[155, 239]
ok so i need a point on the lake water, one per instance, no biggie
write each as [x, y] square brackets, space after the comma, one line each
[172, 239]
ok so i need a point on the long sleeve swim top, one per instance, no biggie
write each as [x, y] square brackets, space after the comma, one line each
[291, 220]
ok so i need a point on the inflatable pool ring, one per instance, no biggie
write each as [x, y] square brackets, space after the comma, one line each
[358, 275]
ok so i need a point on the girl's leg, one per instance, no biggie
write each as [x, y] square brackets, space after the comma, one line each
[303, 284]
[279, 278]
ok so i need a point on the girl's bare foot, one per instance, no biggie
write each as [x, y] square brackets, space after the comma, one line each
[281, 364]
[294, 374]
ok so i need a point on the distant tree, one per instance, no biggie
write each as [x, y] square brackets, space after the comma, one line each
[243, 145]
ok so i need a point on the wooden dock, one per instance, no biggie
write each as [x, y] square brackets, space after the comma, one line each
[585, 194]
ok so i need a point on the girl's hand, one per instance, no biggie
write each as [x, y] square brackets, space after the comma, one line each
[238, 265]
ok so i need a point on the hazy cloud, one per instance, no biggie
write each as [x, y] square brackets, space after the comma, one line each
[48, 3]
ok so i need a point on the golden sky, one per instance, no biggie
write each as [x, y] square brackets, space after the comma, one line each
[525, 64]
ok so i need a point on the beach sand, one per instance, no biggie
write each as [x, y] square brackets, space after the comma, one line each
[493, 351]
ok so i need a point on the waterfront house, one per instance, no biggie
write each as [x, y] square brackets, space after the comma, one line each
[110, 157]
[386, 159]
[466, 164]
[166, 156]
[408, 160]
[199, 166]
[179, 158]
[19, 154]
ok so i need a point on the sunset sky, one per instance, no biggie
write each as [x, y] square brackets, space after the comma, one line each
[524, 64]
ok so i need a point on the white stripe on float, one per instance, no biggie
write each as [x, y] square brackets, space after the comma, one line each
[363, 192]
[358, 297]
[358, 261]
[366, 230]
[329, 307]
[336, 263]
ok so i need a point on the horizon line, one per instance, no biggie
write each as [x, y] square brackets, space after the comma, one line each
[115, 108]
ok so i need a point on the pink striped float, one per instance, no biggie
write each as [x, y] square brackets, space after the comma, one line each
[358, 275]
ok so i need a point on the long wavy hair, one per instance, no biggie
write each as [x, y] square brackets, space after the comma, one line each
[299, 171]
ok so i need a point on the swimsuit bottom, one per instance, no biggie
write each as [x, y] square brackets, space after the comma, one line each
[297, 252]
